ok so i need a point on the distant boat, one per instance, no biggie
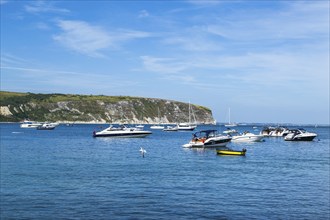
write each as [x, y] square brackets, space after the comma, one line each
[171, 128]
[139, 126]
[229, 131]
[122, 131]
[246, 137]
[230, 124]
[30, 124]
[157, 126]
[47, 126]
[188, 126]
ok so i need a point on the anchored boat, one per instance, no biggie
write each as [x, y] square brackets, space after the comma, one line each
[231, 152]
[208, 138]
[121, 131]
[299, 135]
[246, 137]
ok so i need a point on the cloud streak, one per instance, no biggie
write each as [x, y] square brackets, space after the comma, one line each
[91, 40]
[37, 7]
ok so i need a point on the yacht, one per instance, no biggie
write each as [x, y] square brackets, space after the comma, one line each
[171, 128]
[158, 127]
[121, 131]
[299, 135]
[246, 137]
[30, 124]
[208, 139]
[230, 124]
[188, 126]
[47, 126]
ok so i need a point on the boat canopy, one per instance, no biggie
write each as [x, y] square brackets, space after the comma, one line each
[206, 133]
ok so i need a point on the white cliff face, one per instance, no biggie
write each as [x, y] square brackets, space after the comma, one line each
[4, 110]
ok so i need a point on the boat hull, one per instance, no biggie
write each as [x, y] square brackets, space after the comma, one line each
[306, 138]
[46, 128]
[30, 125]
[252, 138]
[208, 144]
[123, 134]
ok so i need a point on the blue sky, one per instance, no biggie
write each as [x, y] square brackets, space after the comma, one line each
[268, 61]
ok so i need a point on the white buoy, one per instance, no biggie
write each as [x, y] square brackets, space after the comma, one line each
[143, 151]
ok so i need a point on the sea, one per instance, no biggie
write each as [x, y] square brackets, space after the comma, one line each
[67, 174]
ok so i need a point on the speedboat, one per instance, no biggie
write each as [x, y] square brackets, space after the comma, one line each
[274, 131]
[208, 138]
[158, 127]
[30, 124]
[139, 126]
[299, 135]
[171, 128]
[46, 126]
[121, 131]
[231, 152]
[229, 131]
[246, 137]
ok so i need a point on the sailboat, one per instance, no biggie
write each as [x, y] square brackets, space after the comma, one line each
[188, 126]
[158, 126]
[230, 124]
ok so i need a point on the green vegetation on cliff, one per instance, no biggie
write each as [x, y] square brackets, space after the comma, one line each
[95, 108]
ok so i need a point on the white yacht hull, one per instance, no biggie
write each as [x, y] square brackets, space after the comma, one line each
[124, 132]
[247, 138]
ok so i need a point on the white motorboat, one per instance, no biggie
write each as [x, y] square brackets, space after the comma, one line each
[246, 137]
[208, 139]
[158, 127]
[121, 131]
[46, 126]
[299, 135]
[171, 128]
[30, 124]
[139, 126]
[274, 131]
[229, 131]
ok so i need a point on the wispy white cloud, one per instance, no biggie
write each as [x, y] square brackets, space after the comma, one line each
[163, 65]
[83, 37]
[90, 40]
[44, 7]
[296, 21]
[143, 14]
[9, 60]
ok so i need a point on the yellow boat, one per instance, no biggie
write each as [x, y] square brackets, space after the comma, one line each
[232, 152]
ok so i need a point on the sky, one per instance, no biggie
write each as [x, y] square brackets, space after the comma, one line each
[266, 61]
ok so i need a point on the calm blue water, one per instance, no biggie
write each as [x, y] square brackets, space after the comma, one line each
[67, 174]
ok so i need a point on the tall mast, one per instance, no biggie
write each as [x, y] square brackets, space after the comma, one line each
[229, 115]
